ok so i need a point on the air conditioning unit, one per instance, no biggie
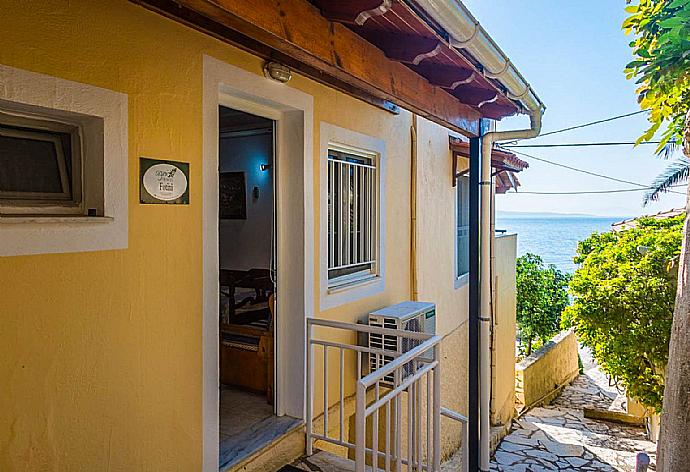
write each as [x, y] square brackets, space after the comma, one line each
[405, 316]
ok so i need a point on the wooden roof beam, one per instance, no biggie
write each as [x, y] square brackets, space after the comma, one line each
[496, 111]
[405, 48]
[475, 96]
[296, 34]
[355, 12]
[448, 77]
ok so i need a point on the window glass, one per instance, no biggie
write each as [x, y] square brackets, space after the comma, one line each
[352, 221]
[462, 226]
[35, 164]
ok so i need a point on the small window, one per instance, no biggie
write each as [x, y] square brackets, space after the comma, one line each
[40, 166]
[352, 216]
[462, 231]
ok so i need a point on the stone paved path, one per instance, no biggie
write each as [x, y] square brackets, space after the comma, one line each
[558, 437]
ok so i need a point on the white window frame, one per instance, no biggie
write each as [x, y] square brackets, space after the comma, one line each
[462, 181]
[101, 116]
[372, 246]
[351, 287]
[40, 128]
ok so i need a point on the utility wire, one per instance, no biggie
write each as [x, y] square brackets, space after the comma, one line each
[591, 123]
[511, 146]
[622, 190]
[575, 169]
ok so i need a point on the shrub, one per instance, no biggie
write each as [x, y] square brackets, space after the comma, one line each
[541, 297]
[623, 293]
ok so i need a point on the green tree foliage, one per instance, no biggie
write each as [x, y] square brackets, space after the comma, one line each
[541, 297]
[661, 64]
[623, 293]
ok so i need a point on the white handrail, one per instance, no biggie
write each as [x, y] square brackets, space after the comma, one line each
[454, 415]
[395, 364]
[417, 378]
[368, 329]
[403, 386]
[413, 385]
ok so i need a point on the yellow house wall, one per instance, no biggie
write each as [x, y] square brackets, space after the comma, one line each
[101, 361]
[436, 199]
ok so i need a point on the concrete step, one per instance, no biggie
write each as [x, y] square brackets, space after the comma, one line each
[283, 450]
[323, 461]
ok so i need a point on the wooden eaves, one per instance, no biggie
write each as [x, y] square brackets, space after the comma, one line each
[505, 165]
[392, 58]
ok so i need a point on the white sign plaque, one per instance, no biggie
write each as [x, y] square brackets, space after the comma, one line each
[164, 182]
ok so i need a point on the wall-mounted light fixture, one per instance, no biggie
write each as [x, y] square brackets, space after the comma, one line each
[265, 167]
[277, 72]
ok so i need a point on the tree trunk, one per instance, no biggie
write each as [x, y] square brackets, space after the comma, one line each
[674, 447]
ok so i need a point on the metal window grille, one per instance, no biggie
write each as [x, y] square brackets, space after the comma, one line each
[463, 227]
[352, 214]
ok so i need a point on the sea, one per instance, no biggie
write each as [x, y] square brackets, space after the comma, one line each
[553, 237]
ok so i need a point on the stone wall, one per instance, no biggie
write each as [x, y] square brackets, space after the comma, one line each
[540, 377]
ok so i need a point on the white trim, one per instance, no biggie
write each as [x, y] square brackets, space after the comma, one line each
[458, 280]
[12, 220]
[293, 111]
[27, 91]
[461, 281]
[362, 144]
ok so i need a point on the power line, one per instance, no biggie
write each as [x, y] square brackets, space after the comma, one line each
[591, 123]
[591, 192]
[575, 169]
[511, 146]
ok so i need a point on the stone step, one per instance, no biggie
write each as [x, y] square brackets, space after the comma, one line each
[613, 416]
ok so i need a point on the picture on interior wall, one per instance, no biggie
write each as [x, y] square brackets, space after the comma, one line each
[232, 196]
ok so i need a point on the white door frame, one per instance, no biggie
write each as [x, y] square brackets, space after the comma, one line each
[293, 112]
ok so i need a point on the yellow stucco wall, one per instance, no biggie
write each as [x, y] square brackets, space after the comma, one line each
[436, 206]
[541, 376]
[101, 365]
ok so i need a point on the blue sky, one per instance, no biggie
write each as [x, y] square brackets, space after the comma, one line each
[573, 53]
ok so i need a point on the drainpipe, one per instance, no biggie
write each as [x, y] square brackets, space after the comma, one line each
[413, 210]
[486, 188]
[467, 35]
[494, 316]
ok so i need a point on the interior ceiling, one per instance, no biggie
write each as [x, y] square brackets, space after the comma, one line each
[231, 120]
[401, 32]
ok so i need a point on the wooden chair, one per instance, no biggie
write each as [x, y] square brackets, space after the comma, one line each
[246, 355]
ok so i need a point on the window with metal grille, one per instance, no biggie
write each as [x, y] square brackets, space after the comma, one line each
[352, 215]
[462, 220]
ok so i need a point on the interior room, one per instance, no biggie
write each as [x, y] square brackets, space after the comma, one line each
[246, 254]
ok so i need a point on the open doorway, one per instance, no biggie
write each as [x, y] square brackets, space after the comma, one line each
[247, 281]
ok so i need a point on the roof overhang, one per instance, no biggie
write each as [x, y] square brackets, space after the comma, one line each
[389, 53]
[409, 35]
[505, 164]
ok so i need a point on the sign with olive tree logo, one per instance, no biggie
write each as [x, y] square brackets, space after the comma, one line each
[163, 182]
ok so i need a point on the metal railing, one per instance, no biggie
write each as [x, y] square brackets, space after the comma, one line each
[454, 415]
[385, 438]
